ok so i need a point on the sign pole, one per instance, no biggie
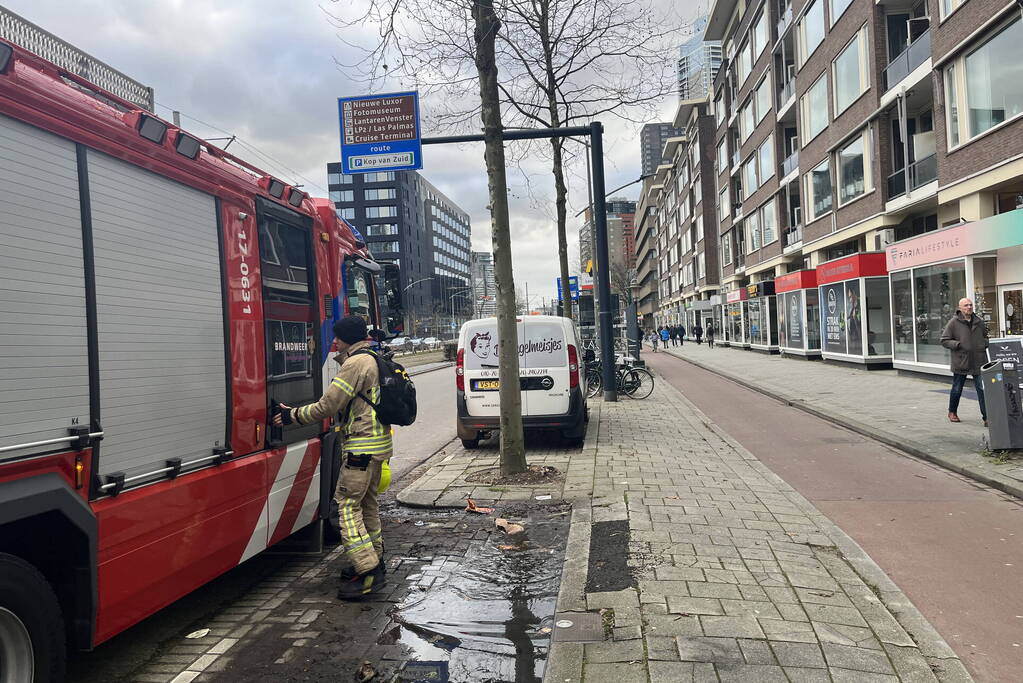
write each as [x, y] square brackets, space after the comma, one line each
[607, 350]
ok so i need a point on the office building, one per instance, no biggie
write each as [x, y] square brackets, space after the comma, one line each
[484, 289]
[698, 63]
[408, 221]
[651, 144]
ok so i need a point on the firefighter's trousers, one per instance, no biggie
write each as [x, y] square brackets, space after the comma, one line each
[359, 510]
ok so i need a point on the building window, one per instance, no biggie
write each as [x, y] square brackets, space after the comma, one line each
[745, 62]
[381, 211]
[850, 72]
[342, 195]
[379, 229]
[765, 159]
[697, 191]
[746, 121]
[768, 222]
[722, 157]
[719, 110]
[814, 110]
[949, 6]
[383, 247]
[818, 189]
[381, 193]
[699, 227]
[752, 227]
[811, 30]
[724, 210]
[838, 7]
[761, 35]
[381, 177]
[347, 213]
[853, 169]
[726, 248]
[985, 85]
[763, 98]
[749, 176]
[339, 179]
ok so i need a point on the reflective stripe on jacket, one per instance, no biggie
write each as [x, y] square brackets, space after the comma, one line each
[361, 431]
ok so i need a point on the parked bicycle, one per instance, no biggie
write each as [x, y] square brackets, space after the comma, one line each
[629, 380]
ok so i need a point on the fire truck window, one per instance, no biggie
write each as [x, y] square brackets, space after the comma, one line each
[289, 314]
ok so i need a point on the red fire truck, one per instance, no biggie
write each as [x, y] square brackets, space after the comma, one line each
[157, 295]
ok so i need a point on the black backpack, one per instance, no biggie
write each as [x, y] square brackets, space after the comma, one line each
[397, 404]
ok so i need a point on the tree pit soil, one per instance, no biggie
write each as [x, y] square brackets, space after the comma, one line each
[535, 475]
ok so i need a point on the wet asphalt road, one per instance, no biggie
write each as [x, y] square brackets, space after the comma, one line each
[125, 653]
[953, 546]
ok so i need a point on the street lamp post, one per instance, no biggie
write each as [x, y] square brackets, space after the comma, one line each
[412, 314]
[451, 304]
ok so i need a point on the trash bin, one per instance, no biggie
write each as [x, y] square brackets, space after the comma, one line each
[1002, 396]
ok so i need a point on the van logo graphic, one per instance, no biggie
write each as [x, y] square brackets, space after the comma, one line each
[480, 345]
[546, 382]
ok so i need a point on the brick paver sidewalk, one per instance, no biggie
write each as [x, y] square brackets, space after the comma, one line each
[737, 576]
[909, 413]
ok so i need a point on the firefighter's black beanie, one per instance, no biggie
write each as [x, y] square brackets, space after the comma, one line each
[350, 329]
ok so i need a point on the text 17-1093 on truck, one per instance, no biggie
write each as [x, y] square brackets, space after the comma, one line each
[157, 295]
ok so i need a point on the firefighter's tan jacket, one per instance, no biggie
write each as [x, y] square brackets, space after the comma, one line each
[361, 431]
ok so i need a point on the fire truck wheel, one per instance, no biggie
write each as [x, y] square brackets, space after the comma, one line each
[31, 627]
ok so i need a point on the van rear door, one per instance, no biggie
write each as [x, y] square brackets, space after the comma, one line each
[479, 345]
[543, 366]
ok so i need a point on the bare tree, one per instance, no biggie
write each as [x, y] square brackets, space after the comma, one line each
[570, 61]
[622, 278]
[451, 39]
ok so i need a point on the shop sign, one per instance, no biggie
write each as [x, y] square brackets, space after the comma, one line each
[760, 289]
[801, 279]
[1006, 349]
[850, 267]
[996, 232]
[736, 295]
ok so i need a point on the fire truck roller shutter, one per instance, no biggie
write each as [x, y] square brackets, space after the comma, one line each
[160, 318]
[44, 368]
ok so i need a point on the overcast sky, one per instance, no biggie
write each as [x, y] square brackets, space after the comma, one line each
[265, 71]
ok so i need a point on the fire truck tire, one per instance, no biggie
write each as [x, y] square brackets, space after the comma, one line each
[27, 599]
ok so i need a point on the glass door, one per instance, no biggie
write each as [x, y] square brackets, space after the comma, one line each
[1011, 299]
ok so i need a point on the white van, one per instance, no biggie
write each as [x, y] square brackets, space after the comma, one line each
[551, 376]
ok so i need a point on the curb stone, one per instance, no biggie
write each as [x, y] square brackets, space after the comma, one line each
[1003, 484]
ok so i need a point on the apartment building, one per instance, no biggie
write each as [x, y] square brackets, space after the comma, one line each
[845, 127]
[652, 137]
[698, 62]
[647, 239]
[687, 242]
[484, 287]
[406, 220]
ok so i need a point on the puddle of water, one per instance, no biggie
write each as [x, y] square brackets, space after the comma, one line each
[489, 614]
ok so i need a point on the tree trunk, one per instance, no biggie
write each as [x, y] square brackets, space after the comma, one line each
[560, 196]
[513, 451]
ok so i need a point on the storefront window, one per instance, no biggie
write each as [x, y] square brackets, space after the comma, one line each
[813, 319]
[938, 290]
[756, 324]
[902, 315]
[985, 293]
[833, 317]
[854, 317]
[879, 330]
[744, 335]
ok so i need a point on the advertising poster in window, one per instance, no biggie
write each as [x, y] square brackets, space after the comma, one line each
[853, 317]
[289, 349]
[783, 333]
[794, 314]
[833, 317]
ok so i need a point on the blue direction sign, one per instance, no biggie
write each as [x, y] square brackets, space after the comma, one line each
[573, 287]
[380, 133]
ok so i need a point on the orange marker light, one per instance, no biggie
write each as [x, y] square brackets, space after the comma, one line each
[79, 472]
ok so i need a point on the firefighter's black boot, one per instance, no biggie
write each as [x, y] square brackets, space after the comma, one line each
[361, 585]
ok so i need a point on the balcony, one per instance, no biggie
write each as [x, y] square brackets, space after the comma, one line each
[786, 92]
[784, 21]
[790, 164]
[920, 173]
[913, 56]
[793, 235]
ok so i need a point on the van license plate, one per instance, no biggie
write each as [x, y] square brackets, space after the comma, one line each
[486, 384]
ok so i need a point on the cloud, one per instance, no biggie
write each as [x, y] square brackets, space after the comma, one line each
[266, 72]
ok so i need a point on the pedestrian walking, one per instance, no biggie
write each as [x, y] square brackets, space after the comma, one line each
[665, 336]
[654, 337]
[966, 336]
[698, 332]
[710, 335]
[673, 330]
[366, 446]
[681, 335]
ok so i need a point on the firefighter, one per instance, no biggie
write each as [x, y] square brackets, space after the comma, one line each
[366, 446]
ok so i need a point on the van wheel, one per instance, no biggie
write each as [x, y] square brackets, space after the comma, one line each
[471, 443]
[31, 627]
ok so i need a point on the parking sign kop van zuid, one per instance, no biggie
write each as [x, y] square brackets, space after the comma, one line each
[380, 133]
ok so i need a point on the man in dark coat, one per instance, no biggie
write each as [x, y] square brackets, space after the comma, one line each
[966, 337]
[698, 333]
